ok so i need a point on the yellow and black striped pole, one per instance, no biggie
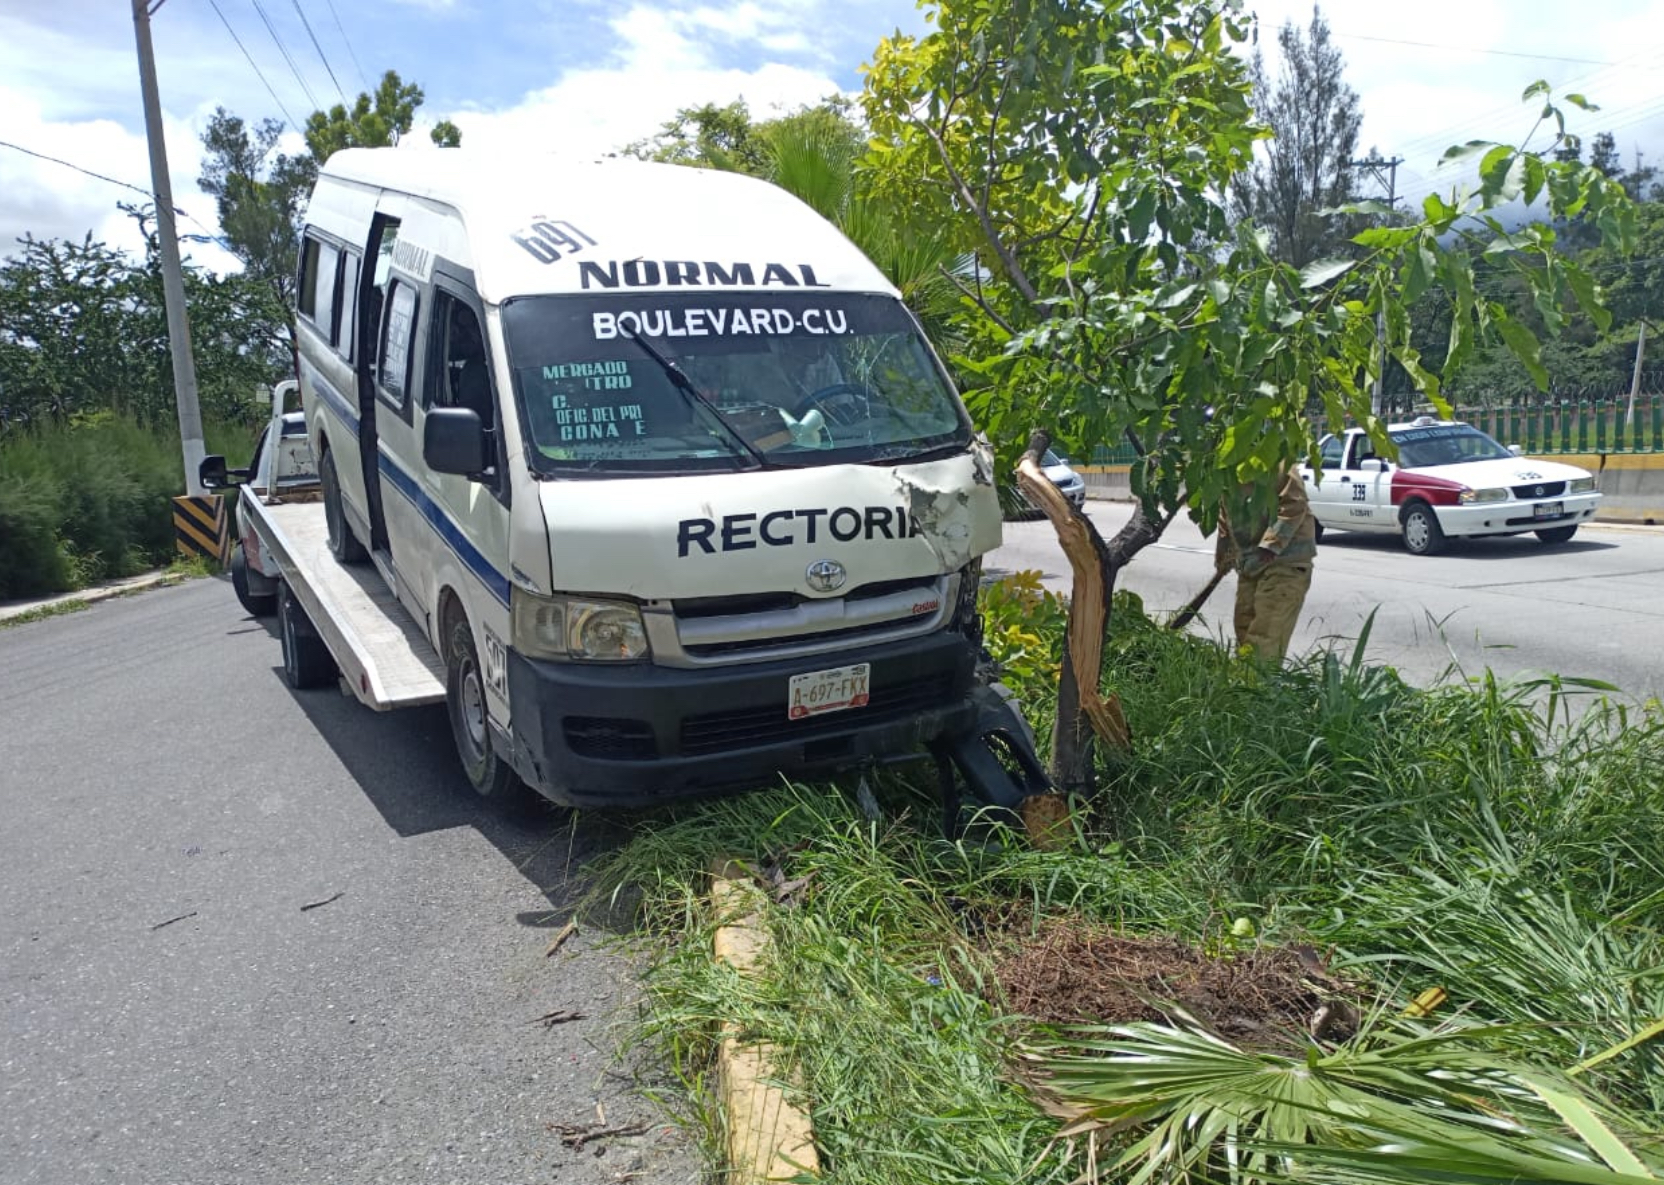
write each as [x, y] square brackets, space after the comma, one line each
[199, 527]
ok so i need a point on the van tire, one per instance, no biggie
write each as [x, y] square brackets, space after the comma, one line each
[307, 662]
[257, 604]
[1422, 533]
[343, 544]
[492, 778]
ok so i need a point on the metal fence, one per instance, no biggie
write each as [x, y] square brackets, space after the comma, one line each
[1603, 424]
[1599, 425]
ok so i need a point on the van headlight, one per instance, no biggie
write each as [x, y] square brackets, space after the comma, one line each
[1495, 494]
[576, 628]
[1582, 485]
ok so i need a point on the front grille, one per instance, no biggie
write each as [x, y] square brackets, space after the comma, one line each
[747, 645]
[610, 738]
[1540, 489]
[739, 606]
[717, 732]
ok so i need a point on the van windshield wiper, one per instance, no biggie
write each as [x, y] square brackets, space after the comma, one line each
[679, 379]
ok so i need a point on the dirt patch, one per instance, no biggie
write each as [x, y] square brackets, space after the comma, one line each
[1070, 974]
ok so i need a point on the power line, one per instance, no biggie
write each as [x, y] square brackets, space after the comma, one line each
[1504, 53]
[284, 50]
[70, 165]
[112, 181]
[258, 72]
[300, 12]
[1590, 82]
[339, 28]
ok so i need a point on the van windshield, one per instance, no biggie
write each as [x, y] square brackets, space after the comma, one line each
[779, 379]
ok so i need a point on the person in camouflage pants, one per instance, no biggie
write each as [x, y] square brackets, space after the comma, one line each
[1273, 560]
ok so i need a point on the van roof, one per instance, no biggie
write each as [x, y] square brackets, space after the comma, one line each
[629, 218]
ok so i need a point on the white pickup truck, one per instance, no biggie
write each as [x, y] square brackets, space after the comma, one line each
[1450, 479]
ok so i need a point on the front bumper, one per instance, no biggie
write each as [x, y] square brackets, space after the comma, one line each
[1515, 517]
[590, 735]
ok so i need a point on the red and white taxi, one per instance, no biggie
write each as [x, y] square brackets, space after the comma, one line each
[1449, 479]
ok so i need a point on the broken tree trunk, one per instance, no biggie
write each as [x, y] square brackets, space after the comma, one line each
[1083, 711]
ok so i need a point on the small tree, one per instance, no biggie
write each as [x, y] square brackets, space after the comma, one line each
[1079, 149]
[261, 196]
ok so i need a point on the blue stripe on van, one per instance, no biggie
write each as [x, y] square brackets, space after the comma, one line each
[432, 513]
[334, 401]
[472, 558]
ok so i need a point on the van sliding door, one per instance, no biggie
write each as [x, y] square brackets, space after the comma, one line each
[374, 322]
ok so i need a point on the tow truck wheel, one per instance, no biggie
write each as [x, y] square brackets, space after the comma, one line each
[1422, 533]
[307, 662]
[489, 775]
[343, 544]
[257, 604]
[1557, 534]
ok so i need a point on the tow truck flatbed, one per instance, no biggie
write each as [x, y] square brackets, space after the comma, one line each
[384, 658]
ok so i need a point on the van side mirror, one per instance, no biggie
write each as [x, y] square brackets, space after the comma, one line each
[453, 441]
[213, 474]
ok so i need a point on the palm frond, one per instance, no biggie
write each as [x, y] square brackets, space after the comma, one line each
[1397, 1104]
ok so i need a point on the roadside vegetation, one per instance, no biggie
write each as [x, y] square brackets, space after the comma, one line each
[89, 448]
[1320, 850]
[87, 499]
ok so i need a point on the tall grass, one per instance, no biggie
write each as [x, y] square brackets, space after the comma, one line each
[1473, 837]
[87, 500]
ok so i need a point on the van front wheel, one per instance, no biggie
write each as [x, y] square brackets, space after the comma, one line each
[489, 775]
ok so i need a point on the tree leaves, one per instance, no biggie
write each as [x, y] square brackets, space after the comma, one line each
[1321, 271]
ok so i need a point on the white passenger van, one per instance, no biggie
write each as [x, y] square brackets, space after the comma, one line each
[658, 463]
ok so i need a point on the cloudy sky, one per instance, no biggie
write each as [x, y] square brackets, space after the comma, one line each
[586, 76]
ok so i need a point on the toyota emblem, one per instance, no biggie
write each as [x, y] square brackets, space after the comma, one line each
[826, 575]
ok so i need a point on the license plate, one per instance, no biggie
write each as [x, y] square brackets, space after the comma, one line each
[1548, 510]
[829, 691]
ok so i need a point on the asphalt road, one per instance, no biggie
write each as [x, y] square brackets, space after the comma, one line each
[154, 766]
[1593, 607]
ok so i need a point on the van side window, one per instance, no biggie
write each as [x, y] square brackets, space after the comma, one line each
[307, 297]
[393, 369]
[324, 301]
[464, 378]
[348, 304]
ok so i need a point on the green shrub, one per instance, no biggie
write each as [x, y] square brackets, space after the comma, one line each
[32, 558]
[88, 500]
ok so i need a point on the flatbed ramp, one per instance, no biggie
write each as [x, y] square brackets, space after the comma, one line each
[384, 657]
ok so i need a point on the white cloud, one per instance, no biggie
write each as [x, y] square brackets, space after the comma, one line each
[662, 64]
[50, 200]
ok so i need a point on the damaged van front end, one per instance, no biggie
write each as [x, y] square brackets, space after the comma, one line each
[754, 555]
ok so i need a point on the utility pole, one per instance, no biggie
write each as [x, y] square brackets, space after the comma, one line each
[1385, 173]
[167, 234]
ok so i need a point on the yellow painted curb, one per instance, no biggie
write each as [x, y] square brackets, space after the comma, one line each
[769, 1138]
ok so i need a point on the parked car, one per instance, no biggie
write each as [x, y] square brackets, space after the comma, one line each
[1450, 479]
[1056, 468]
